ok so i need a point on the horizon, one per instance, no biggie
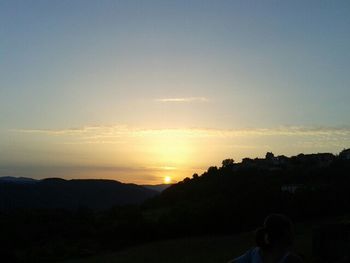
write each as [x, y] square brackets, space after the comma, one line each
[168, 181]
[151, 91]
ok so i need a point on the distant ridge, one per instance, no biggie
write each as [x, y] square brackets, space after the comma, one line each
[157, 187]
[97, 194]
[20, 180]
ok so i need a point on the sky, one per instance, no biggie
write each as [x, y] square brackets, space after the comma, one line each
[137, 91]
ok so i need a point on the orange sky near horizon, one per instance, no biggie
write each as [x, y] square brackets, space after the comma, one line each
[148, 156]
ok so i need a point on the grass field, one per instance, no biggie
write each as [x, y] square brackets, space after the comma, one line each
[201, 249]
[204, 249]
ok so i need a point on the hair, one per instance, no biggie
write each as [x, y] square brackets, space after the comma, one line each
[277, 231]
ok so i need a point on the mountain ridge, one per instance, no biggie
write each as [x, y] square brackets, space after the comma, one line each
[50, 193]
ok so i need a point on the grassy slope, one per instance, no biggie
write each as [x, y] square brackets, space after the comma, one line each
[203, 249]
[207, 249]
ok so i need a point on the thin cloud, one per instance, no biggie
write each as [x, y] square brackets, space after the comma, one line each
[97, 132]
[183, 100]
[119, 134]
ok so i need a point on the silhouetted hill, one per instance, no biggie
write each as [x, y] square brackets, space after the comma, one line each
[229, 199]
[70, 194]
[237, 196]
[157, 187]
[19, 180]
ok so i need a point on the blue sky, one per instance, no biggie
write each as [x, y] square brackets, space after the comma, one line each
[169, 68]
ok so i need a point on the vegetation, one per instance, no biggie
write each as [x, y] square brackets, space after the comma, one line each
[208, 248]
[195, 249]
[227, 200]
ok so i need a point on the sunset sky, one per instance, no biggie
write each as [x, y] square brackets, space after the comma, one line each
[138, 91]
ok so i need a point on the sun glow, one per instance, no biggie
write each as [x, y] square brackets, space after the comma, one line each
[169, 149]
[167, 179]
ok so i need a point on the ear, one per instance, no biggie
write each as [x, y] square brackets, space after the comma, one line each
[266, 239]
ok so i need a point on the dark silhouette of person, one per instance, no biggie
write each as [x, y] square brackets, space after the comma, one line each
[274, 243]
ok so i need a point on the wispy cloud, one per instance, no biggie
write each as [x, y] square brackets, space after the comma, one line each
[116, 131]
[183, 100]
[91, 132]
[158, 152]
[119, 134]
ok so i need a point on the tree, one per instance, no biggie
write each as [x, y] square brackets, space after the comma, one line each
[187, 179]
[212, 170]
[227, 163]
[269, 156]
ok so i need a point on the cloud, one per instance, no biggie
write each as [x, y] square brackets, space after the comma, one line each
[152, 152]
[289, 131]
[91, 132]
[117, 131]
[183, 100]
[122, 134]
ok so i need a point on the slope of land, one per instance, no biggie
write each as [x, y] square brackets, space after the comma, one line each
[69, 194]
[157, 187]
[200, 249]
[223, 201]
[211, 248]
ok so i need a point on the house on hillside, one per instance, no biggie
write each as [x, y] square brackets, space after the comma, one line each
[247, 162]
[315, 160]
[345, 154]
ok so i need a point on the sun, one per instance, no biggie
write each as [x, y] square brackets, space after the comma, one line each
[167, 179]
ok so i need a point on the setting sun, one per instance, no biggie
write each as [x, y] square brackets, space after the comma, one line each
[167, 179]
[149, 106]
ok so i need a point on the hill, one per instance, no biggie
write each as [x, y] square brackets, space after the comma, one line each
[157, 187]
[204, 249]
[69, 194]
[237, 196]
[181, 250]
[226, 200]
[19, 180]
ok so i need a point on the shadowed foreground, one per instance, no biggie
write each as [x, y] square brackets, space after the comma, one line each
[204, 249]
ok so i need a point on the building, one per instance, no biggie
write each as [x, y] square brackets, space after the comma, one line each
[345, 154]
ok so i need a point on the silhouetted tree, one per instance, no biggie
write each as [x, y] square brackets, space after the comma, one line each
[269, 156]
[186, 180]
[227, 163]
[212, 170]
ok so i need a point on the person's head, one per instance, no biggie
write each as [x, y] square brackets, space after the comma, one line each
[277, 232]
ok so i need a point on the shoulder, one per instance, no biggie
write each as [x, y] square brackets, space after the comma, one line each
[246, 257]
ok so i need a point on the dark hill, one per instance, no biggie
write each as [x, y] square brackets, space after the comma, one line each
[157, 187]
[70, 194]
[19, 180]
[238, 196]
